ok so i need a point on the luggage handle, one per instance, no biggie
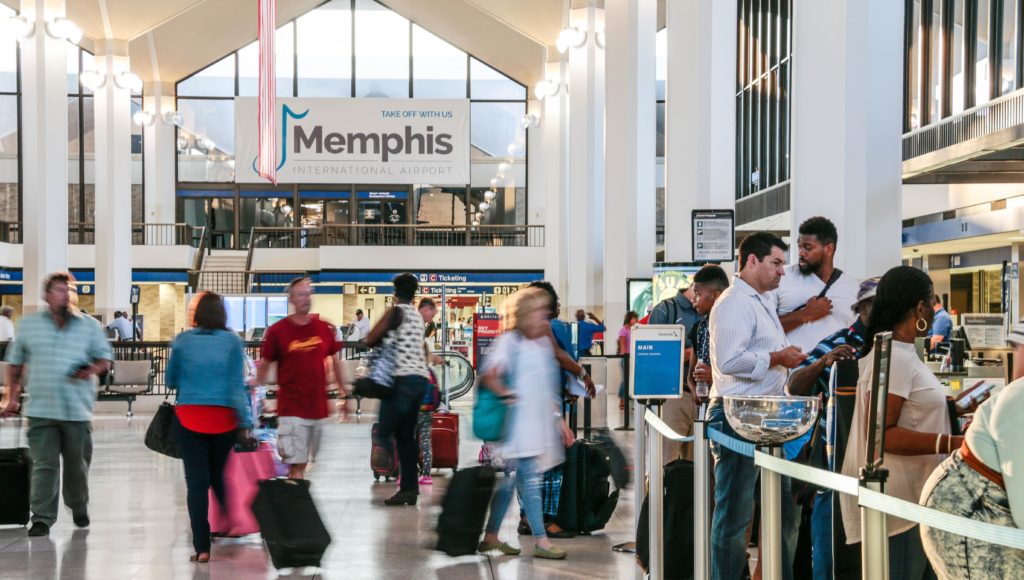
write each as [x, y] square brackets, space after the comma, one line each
[17, 443]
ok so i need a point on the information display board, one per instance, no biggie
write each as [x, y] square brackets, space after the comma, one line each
[984, 330]
[714, 235]
[656, 361]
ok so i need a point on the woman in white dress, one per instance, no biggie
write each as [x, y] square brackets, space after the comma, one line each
[523, 370]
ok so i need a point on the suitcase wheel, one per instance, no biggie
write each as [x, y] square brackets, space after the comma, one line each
[376, 477]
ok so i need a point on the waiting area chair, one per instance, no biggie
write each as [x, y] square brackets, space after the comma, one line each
[127, 380]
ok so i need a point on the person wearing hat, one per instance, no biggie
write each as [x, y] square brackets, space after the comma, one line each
[979, 481]
[812, 378]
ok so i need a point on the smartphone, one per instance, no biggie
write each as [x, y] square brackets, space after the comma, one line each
[247, 446]
[975, 393]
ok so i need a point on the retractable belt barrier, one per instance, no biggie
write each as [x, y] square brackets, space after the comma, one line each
[1010, 537]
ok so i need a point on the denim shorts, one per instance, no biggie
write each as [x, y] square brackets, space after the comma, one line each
[956, 488]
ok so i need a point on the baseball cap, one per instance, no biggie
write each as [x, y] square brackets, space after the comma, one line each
[867, 291]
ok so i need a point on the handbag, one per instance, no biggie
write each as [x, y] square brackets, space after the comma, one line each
[490, 413]
[379, 381]
[432, 397]
[158, 435]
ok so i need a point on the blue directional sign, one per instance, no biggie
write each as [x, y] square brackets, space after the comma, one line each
[656, 361]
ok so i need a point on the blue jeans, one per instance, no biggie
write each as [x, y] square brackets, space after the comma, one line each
[527, 481]
[735, 478]
[821, 535]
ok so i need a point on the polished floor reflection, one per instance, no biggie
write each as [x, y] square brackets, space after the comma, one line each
[140, 527]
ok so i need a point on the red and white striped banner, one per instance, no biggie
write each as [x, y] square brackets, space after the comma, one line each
[266, 162]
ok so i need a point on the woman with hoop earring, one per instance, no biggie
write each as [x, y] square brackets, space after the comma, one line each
[917, 423]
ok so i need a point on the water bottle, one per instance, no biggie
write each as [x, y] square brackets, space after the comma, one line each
[702, 390]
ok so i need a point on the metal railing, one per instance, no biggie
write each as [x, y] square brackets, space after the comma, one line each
[241, 281]
[985, 119]
[519, 236]
[159, 351]
[148, 234]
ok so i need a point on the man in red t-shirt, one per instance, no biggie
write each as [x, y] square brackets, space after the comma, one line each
[299, 344]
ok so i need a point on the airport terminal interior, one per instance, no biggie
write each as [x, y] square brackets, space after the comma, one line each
[296, 158]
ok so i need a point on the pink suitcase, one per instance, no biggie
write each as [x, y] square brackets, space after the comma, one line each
[241, 475]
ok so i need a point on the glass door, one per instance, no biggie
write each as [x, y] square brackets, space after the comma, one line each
[216, 214]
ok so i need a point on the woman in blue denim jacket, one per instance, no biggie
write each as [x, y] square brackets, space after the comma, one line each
[206, 367]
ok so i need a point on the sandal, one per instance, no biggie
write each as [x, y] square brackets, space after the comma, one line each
[200, 558]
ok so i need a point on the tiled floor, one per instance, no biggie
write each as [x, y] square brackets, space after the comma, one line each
[140, 526]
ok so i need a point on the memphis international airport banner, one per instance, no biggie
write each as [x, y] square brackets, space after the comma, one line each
[371, 141]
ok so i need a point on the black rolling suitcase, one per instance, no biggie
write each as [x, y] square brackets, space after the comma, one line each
[15, 478]
[289, 523]
[587, 500]
[464, 510]
[678, 524]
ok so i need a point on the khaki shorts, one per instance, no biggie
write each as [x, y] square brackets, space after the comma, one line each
[679, 415]
[298, 439]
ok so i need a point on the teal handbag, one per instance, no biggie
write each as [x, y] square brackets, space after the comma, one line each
[490, 413]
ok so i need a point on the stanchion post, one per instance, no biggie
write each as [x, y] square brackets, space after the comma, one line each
[656, 513]
[873, 529]
[701, 501]
[771, 520]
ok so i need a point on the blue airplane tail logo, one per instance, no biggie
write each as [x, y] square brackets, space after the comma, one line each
[286, 113]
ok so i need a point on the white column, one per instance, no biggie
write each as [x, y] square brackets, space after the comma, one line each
[44, 150]
[585, 268]
[700, 117]
[847, 99]
[159, 164]
[554, 127]
[629, 225]
[113, 182]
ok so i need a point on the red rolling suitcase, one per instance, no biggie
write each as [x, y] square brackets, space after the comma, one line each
[383, 455]
[444, 441]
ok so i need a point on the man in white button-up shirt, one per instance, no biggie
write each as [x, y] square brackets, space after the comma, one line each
[749, 356]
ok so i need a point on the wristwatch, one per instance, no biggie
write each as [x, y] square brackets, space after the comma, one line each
[583, 374]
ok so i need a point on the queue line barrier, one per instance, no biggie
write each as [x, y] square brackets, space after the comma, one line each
[874, 503]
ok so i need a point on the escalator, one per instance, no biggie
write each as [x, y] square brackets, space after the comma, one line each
[456, 375]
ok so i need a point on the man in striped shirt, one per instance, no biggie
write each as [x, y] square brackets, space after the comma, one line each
[749, 356]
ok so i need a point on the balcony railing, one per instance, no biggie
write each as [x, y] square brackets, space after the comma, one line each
[82, 233]
[986, 119]
[519, 236]
[241, 281]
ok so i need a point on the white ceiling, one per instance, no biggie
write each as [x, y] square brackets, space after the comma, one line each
[514, 36]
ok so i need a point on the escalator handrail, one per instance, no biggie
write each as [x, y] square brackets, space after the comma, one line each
[464, 387]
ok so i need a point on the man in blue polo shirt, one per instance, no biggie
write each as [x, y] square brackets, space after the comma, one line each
[585, 331]
[64, 350]
[942, 329]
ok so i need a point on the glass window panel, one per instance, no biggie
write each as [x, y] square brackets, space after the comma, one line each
[88, 63]
[660, 62]
[137, 192]
[507, 207]
[325, 51]
[915, 69]
[1008, 82]
[382, 52]
[981, 71]
[89, 159]
[439, 69]
[206, 140]
[8, 57]
[249, 64]
[936, 58]
[8, 158]
[489, 84]
[495, 126]
[216, 80]
[659, 131]
[957, 82]
[439, 206]
[265, 212]
[72, 60]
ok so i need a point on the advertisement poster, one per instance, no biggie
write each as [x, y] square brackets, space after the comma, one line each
[486, 329]
[669, 278]
[639, 295]
[393, 141]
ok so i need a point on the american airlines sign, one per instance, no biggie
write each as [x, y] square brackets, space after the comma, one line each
[392, 141]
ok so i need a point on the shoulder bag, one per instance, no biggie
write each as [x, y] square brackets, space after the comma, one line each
[159, 437]
[379, 381]
[490, 413]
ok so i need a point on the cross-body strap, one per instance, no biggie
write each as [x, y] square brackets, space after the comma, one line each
[836, 273]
